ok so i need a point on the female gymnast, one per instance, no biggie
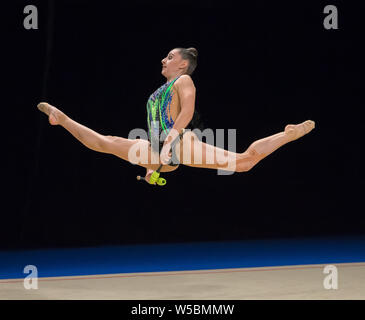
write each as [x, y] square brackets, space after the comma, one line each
[170, 111]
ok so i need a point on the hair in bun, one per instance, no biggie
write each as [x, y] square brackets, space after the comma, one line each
[193, 51]
[190, 54]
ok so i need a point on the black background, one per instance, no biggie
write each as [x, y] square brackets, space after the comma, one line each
[261, 65]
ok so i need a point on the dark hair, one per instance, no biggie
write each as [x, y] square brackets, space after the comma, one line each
[190, 54]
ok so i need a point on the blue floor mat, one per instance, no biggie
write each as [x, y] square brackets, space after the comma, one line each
[183, 256]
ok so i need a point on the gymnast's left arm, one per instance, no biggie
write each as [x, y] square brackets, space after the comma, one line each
[186, 90]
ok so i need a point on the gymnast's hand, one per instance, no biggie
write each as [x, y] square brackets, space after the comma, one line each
[165, 155]
[148, 174]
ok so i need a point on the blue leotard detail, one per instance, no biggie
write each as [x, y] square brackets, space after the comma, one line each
[158, 108]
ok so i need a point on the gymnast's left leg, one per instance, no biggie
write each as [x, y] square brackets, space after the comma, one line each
[211, 157]
[260, 149]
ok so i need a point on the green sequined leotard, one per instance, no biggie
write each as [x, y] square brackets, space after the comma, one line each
[158, 108]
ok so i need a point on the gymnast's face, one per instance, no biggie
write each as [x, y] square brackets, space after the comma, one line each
[173, 64]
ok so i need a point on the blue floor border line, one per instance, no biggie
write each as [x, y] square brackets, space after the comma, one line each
[183, 256]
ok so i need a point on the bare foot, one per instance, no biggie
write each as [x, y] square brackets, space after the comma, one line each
[296, 131]
[55, 116]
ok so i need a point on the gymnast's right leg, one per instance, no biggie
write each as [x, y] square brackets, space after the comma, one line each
[117, 146]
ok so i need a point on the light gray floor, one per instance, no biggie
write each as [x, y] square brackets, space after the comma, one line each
[292, 282]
